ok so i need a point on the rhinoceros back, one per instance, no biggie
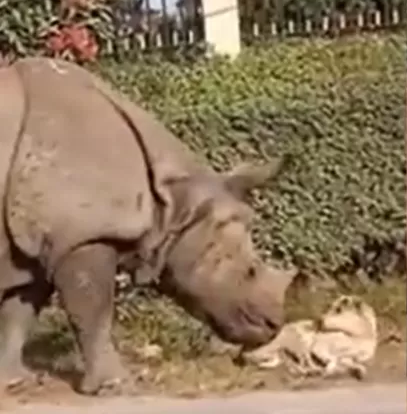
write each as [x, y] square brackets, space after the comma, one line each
[11, 116]
[78, 173]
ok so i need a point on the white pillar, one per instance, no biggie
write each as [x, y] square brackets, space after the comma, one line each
[221, 20]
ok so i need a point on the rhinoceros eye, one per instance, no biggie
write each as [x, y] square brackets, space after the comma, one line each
[251, 273]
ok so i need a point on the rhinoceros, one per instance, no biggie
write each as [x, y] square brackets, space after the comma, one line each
[90, 182]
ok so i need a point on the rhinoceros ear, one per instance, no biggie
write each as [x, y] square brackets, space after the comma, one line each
[244, 177]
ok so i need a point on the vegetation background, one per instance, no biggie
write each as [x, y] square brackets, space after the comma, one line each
[335, 106]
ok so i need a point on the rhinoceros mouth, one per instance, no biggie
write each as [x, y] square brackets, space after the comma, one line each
[259, 322]
[249, 329]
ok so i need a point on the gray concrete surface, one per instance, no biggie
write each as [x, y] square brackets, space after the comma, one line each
[377, 399]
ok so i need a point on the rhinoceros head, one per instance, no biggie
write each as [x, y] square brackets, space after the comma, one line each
[213, 269]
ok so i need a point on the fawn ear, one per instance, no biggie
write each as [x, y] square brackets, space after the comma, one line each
[244, 177]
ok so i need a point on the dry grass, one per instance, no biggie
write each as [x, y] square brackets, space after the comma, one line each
[190, 364]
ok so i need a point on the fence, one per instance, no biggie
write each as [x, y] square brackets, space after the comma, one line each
[225, 24]
[141, 25]
[127, 27]
[268, 18]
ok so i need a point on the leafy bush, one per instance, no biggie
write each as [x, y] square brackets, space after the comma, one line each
[336, 107]
[42, 27]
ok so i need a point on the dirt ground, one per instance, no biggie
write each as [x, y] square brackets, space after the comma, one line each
[214, 372]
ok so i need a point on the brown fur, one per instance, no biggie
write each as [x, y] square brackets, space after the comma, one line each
[343, 340]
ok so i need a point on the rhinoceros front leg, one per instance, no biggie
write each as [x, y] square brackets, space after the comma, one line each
[18, 309]
[85, 280]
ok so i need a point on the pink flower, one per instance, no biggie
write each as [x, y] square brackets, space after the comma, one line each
[56, 43]
[74, 38]
[82, 42]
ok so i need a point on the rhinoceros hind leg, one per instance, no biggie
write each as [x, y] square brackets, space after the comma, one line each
[85, 280]
[18, 309]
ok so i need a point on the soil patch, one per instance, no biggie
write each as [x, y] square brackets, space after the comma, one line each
[211, 371]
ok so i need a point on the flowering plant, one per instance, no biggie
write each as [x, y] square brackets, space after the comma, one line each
[73, 41]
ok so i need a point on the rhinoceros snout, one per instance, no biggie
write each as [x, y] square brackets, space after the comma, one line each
[250, 336]
[248, 327]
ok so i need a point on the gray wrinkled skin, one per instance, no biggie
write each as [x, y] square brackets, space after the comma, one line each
[91, 183]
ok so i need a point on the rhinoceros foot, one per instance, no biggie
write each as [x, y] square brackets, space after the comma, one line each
[115, 384]
[16, 379]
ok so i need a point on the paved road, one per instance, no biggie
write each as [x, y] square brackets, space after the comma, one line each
[378, 399]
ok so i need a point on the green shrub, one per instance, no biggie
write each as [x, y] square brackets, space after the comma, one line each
[26, 26]
[337, 107]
